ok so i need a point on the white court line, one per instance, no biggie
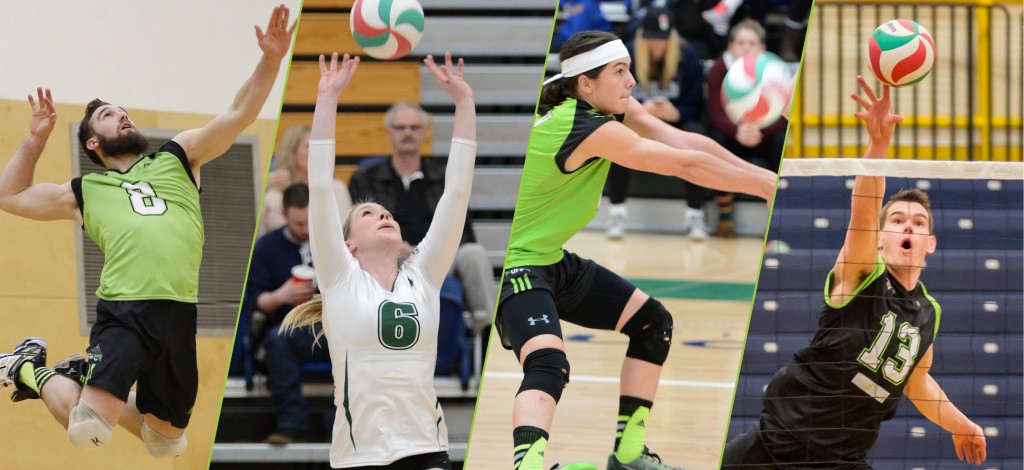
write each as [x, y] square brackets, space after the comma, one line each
[615, 380]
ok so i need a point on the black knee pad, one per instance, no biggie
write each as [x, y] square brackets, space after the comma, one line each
[650, 333]
[546, 370]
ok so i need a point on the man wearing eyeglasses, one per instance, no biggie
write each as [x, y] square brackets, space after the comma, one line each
[411, 186]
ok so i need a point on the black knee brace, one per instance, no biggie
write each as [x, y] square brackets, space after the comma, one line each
[650, 333]
[546, 370]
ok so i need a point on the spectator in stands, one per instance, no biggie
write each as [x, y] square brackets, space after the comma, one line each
[271, 292]
[691, 26]
[761, 146]
[411, 187]
[290, 167]
[792, 45]
[670, 85]
[578, 15]
[720, 15]
[825, 409]
[725, 13]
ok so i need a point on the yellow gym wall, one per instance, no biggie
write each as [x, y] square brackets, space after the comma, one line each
[39, 293]
[828, 79]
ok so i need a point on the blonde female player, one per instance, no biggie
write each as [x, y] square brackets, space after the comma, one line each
[587, 119]
[381, 317]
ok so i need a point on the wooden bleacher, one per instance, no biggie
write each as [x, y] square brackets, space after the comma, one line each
[505, 75]
[374, 84]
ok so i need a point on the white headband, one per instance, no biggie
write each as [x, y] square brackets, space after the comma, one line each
[603, 54]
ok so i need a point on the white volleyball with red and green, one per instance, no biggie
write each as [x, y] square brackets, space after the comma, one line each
[387, 29]
[901, 53]
[755, 89]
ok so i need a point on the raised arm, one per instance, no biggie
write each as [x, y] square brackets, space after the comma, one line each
[620, 144]
[859, 255]
[442, 240]
[931, 401]
[209, 142]
[330, 256]
[42, 201]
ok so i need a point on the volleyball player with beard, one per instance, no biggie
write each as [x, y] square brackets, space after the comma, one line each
[143, 212]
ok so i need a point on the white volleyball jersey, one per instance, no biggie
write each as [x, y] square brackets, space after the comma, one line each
[383, 342]
[383, 347]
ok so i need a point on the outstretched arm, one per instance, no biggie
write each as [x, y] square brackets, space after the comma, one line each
[650, 127]
[442, 239]
[859, 254]
[931, 401]
[209, 142]
[622, 145]
[330, 256]
[43, 201]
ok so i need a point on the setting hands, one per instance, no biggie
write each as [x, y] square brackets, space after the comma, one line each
[44, 116]
[334, 79]
[278, 37]
[450, 77]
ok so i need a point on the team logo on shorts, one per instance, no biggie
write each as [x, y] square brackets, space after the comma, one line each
[516, 271]
[534, 321]
[521, 283]
[95, 354]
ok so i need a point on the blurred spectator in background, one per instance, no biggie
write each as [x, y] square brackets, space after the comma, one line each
[289, 167]
[760, 146]
[280, 277]
[670, 85]
[576, 16]
[795, 29]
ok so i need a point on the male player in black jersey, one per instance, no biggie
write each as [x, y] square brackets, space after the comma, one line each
[874, 342]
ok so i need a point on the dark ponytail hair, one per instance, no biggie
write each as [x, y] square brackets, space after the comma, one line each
[565, 87]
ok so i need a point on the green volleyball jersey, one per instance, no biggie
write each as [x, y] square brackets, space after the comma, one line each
[148, 223]
[553, 203]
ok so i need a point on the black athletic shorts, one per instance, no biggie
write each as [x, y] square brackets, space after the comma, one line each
[748, 451]
[415, 462]
[575, 289]
[152, 342]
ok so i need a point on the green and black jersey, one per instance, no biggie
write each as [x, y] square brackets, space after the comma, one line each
[148, 223]
[553, 203]
[851, 377]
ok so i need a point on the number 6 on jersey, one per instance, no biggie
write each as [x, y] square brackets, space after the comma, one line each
[398, 326]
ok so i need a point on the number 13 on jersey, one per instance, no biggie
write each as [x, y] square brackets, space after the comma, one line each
[894, 369]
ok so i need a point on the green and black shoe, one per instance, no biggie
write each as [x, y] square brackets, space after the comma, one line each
[71, 368]
[30, 350]
[646, 461]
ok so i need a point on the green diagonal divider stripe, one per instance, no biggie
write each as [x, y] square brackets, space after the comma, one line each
[698, 290]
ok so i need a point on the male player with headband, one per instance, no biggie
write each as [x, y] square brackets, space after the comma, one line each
[874, 343]
[587, 118]
[144, 214]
